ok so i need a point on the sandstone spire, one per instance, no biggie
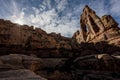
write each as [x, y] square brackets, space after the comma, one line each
[94, 28]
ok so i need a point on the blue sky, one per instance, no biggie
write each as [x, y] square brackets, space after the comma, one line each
[60, 16]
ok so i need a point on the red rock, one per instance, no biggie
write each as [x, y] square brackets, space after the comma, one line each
[96, 29]
[14, 34]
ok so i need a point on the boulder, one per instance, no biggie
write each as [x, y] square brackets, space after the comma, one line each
[19, 61]
[20, 74]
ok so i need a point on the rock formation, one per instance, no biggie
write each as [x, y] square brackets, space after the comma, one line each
[95, 29]
[93, 53]
[21, 74]
[15, 38]
[25, 36]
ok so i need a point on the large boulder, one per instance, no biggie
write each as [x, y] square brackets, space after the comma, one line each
[19, 61]
[21, 74]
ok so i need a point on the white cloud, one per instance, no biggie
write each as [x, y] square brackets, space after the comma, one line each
[61, 4]
[19, 18]
[48, 20]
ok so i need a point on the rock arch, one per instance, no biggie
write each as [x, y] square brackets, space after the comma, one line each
[90, 23]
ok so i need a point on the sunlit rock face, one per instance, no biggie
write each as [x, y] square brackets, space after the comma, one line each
[27, 36]
[14, 34]
[95, 29]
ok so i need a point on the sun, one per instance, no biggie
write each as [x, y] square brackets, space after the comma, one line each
[19, 21]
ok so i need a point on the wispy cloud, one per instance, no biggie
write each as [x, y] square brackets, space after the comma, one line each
[49, 19]
[61, 4]
[60, 16]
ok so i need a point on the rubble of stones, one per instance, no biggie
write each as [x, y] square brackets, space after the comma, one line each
[93, 53]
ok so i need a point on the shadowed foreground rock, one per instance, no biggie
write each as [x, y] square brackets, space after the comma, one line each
[21, 74]
[17, 61]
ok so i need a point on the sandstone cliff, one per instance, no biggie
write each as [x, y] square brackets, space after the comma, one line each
[15, 38]
[27, 36]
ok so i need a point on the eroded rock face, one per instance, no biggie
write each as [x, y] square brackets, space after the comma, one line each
[96, 29]
[27, 36]
[24, 39]
[100, 62]
[109, 22]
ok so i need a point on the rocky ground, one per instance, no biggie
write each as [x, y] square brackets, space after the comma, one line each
[32, 54]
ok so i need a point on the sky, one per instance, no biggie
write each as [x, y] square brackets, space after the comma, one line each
[60, 16]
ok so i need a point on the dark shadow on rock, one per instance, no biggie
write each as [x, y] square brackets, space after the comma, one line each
[94, 61]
